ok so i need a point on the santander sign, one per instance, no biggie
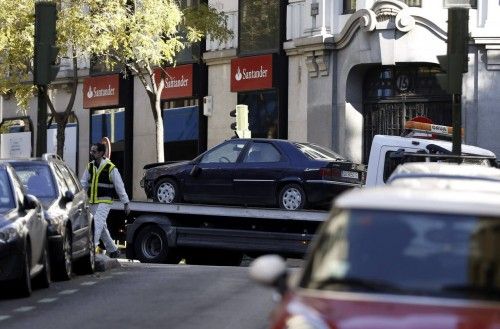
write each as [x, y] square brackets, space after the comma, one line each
[178, 81]
[101, 91]
[252, 73]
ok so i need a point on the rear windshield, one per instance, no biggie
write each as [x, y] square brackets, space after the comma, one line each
[37, 179]
[6, 196]
[316, 152]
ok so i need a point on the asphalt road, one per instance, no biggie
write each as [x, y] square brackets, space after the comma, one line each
[145, 296]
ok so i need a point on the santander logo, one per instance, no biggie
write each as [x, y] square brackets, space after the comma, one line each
[177, 83]
[102, 92]
[250, 74]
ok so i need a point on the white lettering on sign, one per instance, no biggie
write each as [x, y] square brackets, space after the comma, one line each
[252, 74]
[439, 129]
[94, 92]
[182, 82]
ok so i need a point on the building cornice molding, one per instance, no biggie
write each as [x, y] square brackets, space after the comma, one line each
[219, 57]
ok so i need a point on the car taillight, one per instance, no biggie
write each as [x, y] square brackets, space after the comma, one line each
[329, 173]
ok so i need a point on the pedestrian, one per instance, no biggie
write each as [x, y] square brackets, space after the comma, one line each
[100, 179]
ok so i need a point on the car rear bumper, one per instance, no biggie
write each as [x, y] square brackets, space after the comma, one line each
[323, 191]
[11, 258]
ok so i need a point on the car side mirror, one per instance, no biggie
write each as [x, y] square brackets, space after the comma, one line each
[195, 171]
[270, 270]
[30, 201]
[68, 196]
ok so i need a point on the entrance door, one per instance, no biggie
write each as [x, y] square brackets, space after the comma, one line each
[396, 94]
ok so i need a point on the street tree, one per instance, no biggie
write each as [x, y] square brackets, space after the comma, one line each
[141, 36]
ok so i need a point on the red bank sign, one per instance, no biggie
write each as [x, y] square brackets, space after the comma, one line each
[101, 91]
[252, 73]
[178, 81]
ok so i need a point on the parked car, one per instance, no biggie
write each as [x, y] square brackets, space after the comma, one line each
[268, 172]
[418, 173]
[23, 236]
[397, 257]
[71, 225]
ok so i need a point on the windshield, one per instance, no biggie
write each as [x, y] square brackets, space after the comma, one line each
[37, 180]
[6, 196]
[316, 152]
[422, 253]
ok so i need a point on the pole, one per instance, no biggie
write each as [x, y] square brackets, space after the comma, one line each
[41, 131]
[457, 124]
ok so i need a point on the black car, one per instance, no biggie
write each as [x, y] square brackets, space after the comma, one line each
[268, 172]
[71, 224]
[23, 236]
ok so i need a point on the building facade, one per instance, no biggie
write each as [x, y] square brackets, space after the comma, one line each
[332, 72]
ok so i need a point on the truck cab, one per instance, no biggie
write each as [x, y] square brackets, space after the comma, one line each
[422, 140]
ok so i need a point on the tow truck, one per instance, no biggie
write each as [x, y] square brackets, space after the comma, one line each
[220, 235]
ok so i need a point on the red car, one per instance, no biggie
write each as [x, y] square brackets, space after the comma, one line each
[396, 257]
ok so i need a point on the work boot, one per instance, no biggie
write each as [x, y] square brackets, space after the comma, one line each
[114, 254]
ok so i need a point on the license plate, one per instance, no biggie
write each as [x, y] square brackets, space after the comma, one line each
[349, 174]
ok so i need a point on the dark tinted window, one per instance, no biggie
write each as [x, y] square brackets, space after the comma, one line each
[225, 153]
[37, 179]
[6, 196]
[316, 152]
[262, 112]
[259, 26]
[407, 253]
[262, 152]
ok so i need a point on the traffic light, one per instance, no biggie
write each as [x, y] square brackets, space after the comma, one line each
[240, 126]
[45, 65]
[455, 63]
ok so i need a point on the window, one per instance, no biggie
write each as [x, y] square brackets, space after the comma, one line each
[108, 123]
[68, 177]
[259, 26]
[181, 124]
[262, 112]
[225, 153]
[6, 197]
[349, 6]
[316, 152]
[37, 179]
[262, 152]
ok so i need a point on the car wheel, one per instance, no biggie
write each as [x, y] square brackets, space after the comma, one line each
[63, 265]
[24, 282]
[86, 265]
[151, 246]
[292, 197]
[166, 191]
[42, 280]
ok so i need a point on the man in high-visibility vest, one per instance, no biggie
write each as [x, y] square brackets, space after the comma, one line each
[100, 179]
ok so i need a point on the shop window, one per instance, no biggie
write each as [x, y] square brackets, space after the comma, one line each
[349, 6]
[259, 26]
[192, 51]
[181, 132]
[108, 123]
[262, 112]
[16, 138]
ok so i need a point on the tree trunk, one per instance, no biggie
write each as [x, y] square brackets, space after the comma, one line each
[61, 121]
[160, 151]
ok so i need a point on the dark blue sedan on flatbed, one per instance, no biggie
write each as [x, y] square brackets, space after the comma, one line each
[260, 172]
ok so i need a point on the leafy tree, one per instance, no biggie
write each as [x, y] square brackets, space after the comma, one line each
[138, 35]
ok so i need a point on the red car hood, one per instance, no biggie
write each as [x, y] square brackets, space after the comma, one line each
[340, 310]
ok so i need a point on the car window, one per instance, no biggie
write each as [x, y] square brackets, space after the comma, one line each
[37, 179]
[428, 253]
[61, 180]
[316, 152]
[6, 196]
[225, 153]
[262, 152]
[68, 178]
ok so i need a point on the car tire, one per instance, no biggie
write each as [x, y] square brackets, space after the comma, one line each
[166, 190]
[23, 284]
[151, 246]
[86, 265]
[42, 280]
[292, 197]
[63, 263]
